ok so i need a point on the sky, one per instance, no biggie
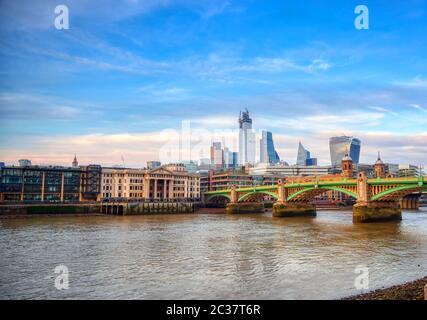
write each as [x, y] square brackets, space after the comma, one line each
[132, 80]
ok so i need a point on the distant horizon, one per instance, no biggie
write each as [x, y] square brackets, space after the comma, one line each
[126, 74]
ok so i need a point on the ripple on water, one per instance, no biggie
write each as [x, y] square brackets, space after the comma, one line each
[208, 256]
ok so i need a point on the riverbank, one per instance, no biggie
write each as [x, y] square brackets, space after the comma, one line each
[49, 209]
[49, 215]
[413, 290]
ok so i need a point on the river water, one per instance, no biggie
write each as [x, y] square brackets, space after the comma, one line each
[208, 256]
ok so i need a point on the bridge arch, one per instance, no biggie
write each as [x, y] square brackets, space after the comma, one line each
[221, 195]
[321, 190]
[249, 194]
[397, 193]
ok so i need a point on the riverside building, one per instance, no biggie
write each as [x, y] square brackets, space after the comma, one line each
[49, 183]
[168, 182]
[289, 171]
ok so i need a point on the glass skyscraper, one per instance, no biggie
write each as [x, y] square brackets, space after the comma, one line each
[246, 139]
[230, 158]
[268, 153]
[217, 156]
[338, 147]
[304, 157]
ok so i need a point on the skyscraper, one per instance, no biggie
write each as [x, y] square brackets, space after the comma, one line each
[217, 157]
[235, 157]
[246, 139]
[230, 158]
[268, 153]
[304, 157]
[338, 146]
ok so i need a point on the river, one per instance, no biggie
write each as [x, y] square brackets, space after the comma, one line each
[208, 256]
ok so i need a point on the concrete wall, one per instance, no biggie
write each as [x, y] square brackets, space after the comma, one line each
[142, 208]
[49, 209]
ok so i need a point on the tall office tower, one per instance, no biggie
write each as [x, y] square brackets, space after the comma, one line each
[246, 139]
[230, 158]
[217, 157]
[227, 158]
[303, 155]
[235, 157]
[338, 147]
[267, 151]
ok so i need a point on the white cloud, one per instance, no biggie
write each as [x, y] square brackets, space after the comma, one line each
[320, 122]
[384, 110]
[417, 82]
[418, 107]
[137, 148]
[15, 105]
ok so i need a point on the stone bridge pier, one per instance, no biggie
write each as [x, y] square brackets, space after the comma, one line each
[236, 207]
[283, 208]
[366, 210]
[377, 199]
[410, 202]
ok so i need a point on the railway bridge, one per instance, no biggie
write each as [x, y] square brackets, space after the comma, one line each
[377, 199]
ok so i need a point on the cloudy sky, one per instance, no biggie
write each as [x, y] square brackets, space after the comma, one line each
[136, 79]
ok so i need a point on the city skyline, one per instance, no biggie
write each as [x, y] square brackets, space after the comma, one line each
[110, 85]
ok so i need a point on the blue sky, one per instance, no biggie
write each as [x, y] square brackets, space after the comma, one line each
[128, 70]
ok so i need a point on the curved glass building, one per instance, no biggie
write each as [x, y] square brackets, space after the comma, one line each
[338, 147]
[303, 155]
[268, 153]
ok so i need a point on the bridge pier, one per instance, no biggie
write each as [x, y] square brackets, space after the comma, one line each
[293, 209]
[235, 207]
[410, 202]
[245, 207]
[375, 211]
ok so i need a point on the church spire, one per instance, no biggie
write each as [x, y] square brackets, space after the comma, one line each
[347, 165]
[75, 162]
[379, 167]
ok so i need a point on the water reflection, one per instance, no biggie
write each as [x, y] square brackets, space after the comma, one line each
[208, 256]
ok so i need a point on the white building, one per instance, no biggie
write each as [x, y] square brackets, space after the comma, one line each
[217, 157]
[163, 183]
[289, 171]
[247, 140]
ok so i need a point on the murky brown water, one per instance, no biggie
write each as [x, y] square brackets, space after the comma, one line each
[207, 256]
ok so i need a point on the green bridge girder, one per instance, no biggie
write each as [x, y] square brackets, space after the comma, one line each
[348, 192]
[402, 185]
